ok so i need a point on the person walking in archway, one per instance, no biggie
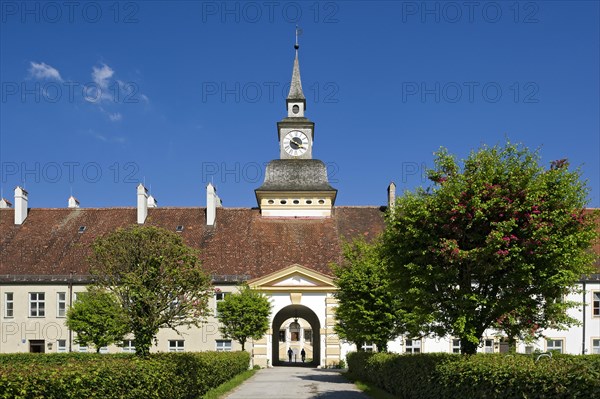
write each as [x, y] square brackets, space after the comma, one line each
[303, 354]
[290, 353]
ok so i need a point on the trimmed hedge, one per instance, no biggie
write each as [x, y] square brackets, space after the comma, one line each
[485, 376]
[74, 376]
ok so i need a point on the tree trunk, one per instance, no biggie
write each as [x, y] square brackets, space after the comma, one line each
[143, 342]
[512, 345]
[381, 346]
[467, 347]
[243, 342]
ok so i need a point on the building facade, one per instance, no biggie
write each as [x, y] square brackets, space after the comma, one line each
[284, 248]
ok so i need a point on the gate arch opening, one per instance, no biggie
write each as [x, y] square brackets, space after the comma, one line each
[300, 312]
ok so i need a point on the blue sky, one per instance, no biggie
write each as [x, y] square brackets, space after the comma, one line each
[98, 96]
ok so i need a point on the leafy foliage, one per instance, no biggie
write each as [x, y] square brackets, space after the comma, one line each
[97, 318]
[74, 376]
[244, 315]
[156, 277]
[483, 376]
[496, 242]
[368, 309]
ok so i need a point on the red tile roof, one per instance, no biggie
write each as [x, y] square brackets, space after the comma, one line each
[242, 243]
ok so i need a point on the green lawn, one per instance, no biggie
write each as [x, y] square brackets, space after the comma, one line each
[370, 390]
[229, 386]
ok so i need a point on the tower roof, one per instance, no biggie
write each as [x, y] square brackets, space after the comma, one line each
[296, 175]
[296, 84]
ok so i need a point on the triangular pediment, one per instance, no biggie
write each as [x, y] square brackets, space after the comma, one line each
[294, 277]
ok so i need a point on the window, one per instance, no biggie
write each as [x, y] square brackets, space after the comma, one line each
[596, 346]
[456, 346]
[61, 345]
[223, 345]
[281, 335]
[219, 296]
[61, 306]
[488, 346]
[37, 346]
[596, 303]
[412, 346]
[104, 349]
[83, 349]
[555, 345]
[367, 347]
[176, 345]
[37, 304]
[295, 330]
[128, 346]
[308, 335]
[9, 309]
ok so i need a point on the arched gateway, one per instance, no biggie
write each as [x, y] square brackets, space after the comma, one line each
[299, 341]
[302, 316]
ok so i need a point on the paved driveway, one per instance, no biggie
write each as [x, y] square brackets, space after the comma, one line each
[297, 382]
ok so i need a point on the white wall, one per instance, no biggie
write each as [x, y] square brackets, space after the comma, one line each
[17, 331]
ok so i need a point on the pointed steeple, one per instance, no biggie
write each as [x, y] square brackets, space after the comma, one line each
[296, 93]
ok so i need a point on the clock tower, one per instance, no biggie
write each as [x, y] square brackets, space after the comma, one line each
[296, 185]
[296, 132]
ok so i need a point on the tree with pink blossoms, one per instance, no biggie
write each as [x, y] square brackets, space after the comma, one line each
[497, 241]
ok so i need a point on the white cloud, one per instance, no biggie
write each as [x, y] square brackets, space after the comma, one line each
[115, 116]
[102, 75]
[106, 139]
[44, 71]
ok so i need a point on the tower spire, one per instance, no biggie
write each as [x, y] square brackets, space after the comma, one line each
[296, 93]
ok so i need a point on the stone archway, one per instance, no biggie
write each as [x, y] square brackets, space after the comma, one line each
[301, 312]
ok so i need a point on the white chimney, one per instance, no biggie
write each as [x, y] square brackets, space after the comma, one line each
[212, 203]
[391, 195]
[152, 202]
[142, 203]
[20, 205]
[5, 204]
[73, 202]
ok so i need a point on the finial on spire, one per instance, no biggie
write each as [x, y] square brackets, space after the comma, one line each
[298, 33]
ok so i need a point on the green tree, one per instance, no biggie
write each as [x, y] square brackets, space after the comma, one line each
[156, 277]
[497, 238]
[244, 315]
[368, 309]
[97, 318]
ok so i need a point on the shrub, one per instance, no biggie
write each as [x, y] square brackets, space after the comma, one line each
[71, 376]
[439, 375]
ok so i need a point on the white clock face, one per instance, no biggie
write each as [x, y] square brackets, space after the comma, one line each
[295, 143]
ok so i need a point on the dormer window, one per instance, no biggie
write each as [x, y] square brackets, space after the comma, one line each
[82, 229]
